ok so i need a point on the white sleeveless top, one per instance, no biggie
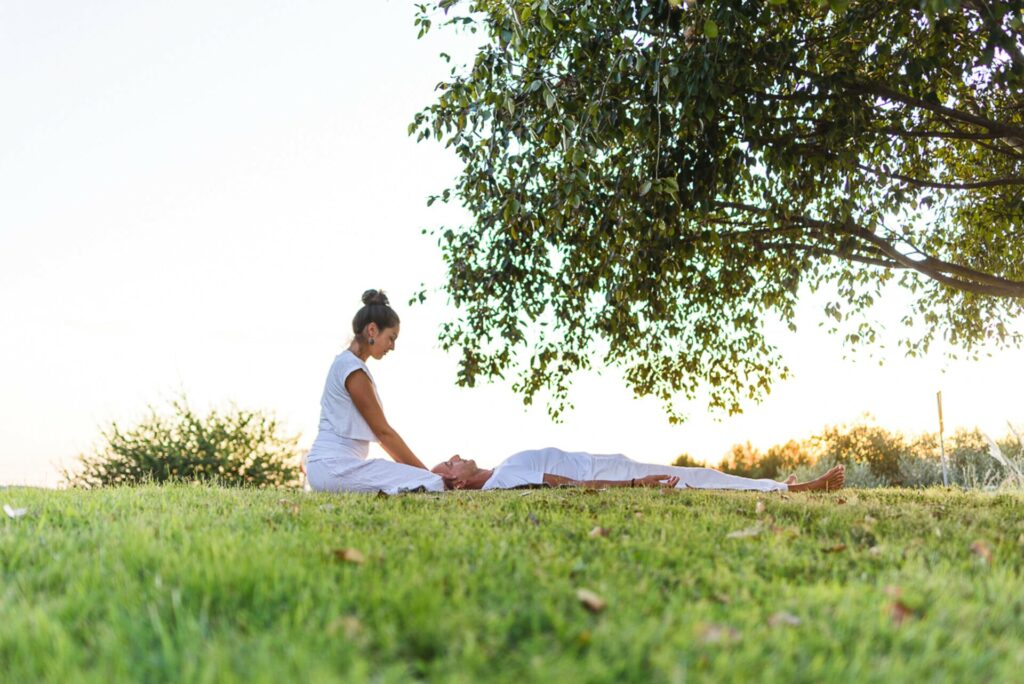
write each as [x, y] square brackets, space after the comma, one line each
[344, 432]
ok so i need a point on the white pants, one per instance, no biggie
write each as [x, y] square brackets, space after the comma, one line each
[370, 475]
[619, 467]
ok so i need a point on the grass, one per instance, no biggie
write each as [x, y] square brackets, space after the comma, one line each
[203, 584]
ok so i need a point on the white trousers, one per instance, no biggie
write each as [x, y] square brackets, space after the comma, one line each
[619, 467]
[370, 475]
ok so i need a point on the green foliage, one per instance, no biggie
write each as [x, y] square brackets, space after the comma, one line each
[210, 584]
[650, 181]
[778, 462]
[687, 461]
[238, 447]
[867, 444]
[876, 457]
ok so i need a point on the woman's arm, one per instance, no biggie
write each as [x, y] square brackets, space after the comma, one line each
[648, 481]
[361, 390]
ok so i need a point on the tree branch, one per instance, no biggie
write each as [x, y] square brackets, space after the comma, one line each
[952, 275]
[973, 185]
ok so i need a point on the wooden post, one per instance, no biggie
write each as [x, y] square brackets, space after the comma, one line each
[942, 444]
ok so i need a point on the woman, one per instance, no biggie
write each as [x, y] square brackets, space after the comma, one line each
[351, 416]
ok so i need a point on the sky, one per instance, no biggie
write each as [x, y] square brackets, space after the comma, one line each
[194, 195]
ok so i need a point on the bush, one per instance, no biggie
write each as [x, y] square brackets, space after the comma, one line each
[233, 448]
[865, 444]
[687, 461]
[780, 460]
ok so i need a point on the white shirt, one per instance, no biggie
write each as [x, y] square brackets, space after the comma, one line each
[528, 467]
[344, 433]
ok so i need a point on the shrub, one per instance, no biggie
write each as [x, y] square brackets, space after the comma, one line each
[237, 447]
[865, 444]
[858, 474]
[781, 459]
[687, 461]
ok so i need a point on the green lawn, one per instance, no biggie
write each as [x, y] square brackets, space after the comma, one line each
[202, 584]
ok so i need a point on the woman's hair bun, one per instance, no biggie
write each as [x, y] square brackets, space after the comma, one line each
[371, 297]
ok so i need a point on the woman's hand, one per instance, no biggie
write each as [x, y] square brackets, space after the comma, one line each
[666, 481]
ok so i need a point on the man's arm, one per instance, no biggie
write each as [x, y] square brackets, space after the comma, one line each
[667, 481]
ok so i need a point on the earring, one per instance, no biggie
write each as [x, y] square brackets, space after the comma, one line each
[371, 341]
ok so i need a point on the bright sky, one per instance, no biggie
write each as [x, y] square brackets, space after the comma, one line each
[193, 196]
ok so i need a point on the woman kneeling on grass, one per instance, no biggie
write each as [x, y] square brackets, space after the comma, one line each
[351, 416]
[556, 467]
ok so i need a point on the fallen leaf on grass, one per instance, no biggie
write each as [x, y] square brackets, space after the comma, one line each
[354, 556]
[723, 599]
[14, 512]
[783, 619]
[348, 623]
[835, 548]
[840, 501]
[759, 507]
[717, 634]
[598, 532]
[980, 549]
[746, 532]
[590, 600]
[900, 612]
[875, 551]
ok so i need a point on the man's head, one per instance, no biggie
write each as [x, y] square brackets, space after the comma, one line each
[457, 472]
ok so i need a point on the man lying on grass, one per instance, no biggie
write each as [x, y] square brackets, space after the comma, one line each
[555, 467]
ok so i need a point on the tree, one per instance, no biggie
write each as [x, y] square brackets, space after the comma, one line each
[651, 180]
[236, 447]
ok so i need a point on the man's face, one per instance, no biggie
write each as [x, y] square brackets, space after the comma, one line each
[456, 468]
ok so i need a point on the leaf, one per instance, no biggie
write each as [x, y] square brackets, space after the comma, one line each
[900, 612]
[598, 532]
[783, 619]
[14, 512]
[590, 600]
[717, 634]
[546, 20]
[710, 29]
[549, 98]
[645, 188]
[995, 452]
[835, 548]
[980, 549]
[354, 556]
[746, 532]
[349, 624]
[759, 507]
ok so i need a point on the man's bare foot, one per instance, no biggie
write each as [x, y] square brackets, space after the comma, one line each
[829, 482]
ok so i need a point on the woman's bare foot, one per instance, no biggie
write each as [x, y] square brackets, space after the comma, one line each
[790, 480]
[829, 482]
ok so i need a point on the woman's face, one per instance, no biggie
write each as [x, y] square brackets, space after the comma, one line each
[383, 340]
